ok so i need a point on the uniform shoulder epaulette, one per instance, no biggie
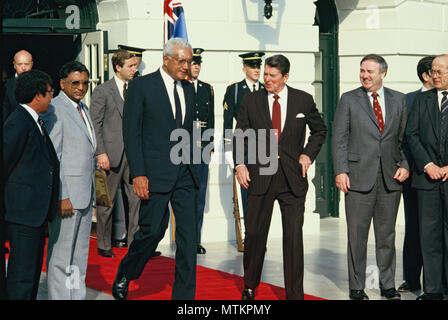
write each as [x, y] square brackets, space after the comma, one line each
[236, 82]
[209, 84]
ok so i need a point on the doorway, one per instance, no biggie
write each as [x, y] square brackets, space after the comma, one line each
[49, 52]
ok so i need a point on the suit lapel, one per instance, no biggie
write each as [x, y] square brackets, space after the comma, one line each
[432, 107]
[390, 103]
[367, 106]
[291, 112]
[42, 142]
[76, 117]
[116, 96]
[166, 103]
[265, 113]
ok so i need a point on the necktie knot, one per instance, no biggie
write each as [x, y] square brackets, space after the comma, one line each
[374, 95]
[445, 93]
[276, 97]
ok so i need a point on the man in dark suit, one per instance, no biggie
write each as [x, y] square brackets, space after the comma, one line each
[158, 106]
[106, 110]
[23, 61]
[427, 136]
[412, 252]
[31, 183]
[369, 167]
[288, 111]
[204, 119]
[233, 97]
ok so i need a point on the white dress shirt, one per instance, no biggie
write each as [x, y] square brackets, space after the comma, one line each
[251, 85]
[34, 114]
[381, 101]
[120, 83]
[169, 84]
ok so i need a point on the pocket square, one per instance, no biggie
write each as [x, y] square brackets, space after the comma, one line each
[300, 115]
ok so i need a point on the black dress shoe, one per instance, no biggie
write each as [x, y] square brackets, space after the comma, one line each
[248, 294]
[200, 249]
[407, 287]
[120, 243]
[430, 296]
[390, 294]
[358, 295]
[106, 253]
[120, 287]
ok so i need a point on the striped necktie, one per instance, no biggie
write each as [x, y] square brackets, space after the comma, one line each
[444, 104]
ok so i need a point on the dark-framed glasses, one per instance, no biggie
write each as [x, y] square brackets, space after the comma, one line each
[434, 73]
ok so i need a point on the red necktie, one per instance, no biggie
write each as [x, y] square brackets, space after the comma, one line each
[378, 112]
[276, 117]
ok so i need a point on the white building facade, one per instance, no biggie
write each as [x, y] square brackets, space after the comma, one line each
[402, 31]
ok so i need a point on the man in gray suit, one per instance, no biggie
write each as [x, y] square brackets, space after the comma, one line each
[106, 111]
[71, 131]
[369, 167]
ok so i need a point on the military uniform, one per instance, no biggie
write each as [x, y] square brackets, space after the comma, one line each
[204, 115]
[138, 52]
[232, 103]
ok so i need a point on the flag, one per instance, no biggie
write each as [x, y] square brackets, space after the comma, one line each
[174, 20]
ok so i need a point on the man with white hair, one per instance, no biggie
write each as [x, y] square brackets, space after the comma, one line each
[156, 105]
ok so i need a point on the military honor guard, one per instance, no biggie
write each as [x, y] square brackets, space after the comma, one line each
[137, 52]
[234, 95]
[204, 115]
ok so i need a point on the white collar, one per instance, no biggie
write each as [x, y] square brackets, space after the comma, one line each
[31, 111]
[283, 94]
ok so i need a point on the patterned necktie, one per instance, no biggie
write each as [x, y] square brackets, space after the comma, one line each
[125, 90]
[80, 112]
[41, 123]
[276, 117]
[378, 112]
[444, 104]
[178, 108]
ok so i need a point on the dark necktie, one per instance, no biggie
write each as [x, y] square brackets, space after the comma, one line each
[444, 104]
[178, 108]
[80, 112]
[125, 90]
[255, 88]
[276, 117]
[378, 112]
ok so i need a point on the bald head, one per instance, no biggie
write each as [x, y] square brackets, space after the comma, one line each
[23, 61]
[439, 72]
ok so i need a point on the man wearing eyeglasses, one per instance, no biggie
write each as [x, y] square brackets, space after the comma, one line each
[158, 105]
[71, 131]
[427, 136]
[31, 183]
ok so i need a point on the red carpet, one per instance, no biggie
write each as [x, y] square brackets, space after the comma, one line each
[157, 279]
